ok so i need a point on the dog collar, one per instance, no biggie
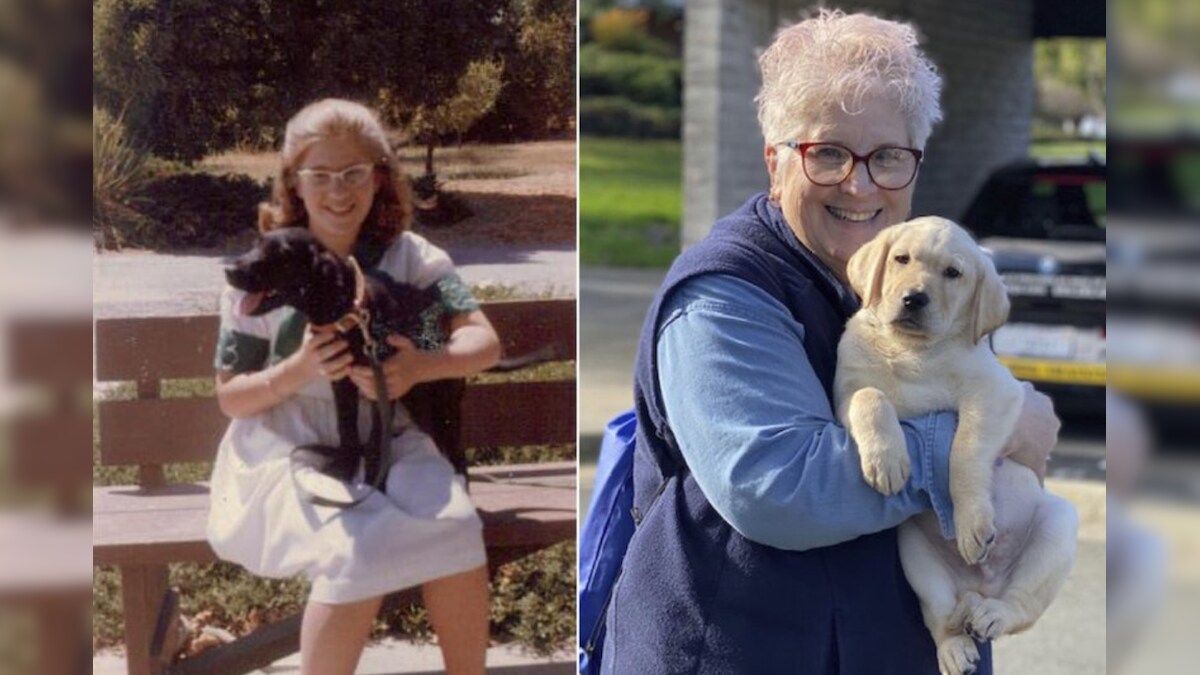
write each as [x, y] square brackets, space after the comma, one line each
[359, 315]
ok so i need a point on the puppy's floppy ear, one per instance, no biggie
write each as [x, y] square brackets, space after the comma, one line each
[991, 300]
[865, 268]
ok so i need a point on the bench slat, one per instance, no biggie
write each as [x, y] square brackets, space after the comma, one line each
[155, 431]
[519, 413]
[164, 525]
[164, 431]
[50, 450]
[526, 326]
[155, 348]
[49, 350]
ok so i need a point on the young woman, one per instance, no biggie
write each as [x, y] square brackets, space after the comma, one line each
[340, 179]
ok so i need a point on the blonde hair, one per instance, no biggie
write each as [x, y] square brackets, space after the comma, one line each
[391, 211]
[841, 59]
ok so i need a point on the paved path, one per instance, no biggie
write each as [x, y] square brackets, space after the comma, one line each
[142, 283]
[397, 657]
[612, 306]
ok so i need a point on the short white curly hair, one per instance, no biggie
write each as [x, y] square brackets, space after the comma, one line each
[839, 59]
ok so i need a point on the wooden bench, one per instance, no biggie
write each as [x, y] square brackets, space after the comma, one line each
[141, 528]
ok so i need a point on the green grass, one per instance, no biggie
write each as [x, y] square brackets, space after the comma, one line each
[630, 201]
[1066, 149]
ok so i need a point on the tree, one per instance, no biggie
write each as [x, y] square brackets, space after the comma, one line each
[184, 76]
[477, 91]
[1072, 74]
[538, 48]
[194, 77]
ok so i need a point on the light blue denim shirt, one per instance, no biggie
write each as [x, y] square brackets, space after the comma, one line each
[761, 438]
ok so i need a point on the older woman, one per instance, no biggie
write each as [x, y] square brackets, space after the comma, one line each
[760, 548]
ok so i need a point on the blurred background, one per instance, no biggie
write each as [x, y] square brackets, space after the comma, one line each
[45, 336]
[1154, 264]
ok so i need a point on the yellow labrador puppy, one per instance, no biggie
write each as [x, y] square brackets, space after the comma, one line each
[929, 296]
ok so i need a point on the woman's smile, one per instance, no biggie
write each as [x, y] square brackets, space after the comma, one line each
[852, 215]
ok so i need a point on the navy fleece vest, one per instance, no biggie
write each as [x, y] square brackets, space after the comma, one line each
[697, 597]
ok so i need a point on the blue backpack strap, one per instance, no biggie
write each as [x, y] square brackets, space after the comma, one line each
[605, 535]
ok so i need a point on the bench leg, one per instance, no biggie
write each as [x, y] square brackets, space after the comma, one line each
[142, 591]
[61, 640]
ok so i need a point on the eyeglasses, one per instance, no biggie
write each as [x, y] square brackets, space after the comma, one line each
[353, 177]
[828, 164]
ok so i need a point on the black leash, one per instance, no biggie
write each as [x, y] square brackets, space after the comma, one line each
[381, 433]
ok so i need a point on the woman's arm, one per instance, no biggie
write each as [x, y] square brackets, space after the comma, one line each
[245, 394]
[759, 434]
[473, 347]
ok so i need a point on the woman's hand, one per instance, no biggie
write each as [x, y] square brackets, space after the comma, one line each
[472, 348]
[1036, 433]
[322, 353]
[401, 371]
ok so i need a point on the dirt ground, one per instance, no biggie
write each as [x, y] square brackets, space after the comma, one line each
[520, 193]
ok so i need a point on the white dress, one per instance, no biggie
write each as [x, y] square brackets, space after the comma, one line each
[424, 528]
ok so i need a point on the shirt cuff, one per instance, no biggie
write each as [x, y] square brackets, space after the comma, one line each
[934, 436]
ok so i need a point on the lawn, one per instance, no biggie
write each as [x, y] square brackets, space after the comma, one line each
[630, 201]
[1066, 149]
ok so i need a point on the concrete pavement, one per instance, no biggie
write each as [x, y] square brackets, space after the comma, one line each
[397, 657]
[612, 306]
[143, 283]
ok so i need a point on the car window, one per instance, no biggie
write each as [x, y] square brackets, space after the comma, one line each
[1066, 200]
[1042, 205]
[1160, 180]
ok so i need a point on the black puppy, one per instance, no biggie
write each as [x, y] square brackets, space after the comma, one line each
[290, 267]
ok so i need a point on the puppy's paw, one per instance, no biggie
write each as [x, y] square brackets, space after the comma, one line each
[967, 603]
[975, 531]
[957, 655]
[990, 619]
[885, 465]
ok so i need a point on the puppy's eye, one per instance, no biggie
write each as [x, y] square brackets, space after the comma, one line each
[952, 273]
[902, 259]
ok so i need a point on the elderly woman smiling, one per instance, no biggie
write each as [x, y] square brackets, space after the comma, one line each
[760, 548]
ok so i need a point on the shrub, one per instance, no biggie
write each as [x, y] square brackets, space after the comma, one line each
[426, 186]
[185, 210]
[195, 81]
[450, 209]
[613, 116]
[626, 29]
[537, 98]
[200, 209]
[118, 172]
[642, 78]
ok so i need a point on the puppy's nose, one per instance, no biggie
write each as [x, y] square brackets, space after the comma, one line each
[916, 300]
